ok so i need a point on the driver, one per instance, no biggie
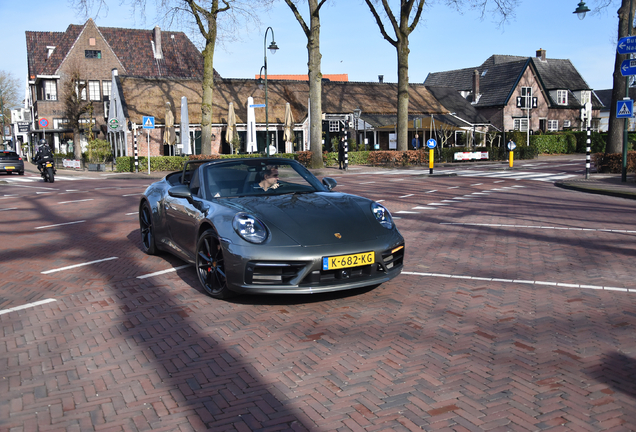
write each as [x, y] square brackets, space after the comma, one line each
[44, 154]
[269, 179]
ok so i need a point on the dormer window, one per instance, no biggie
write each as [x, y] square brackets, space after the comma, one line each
[49, 51]
[562, 97]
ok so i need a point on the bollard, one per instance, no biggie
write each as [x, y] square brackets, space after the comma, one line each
[511, 158]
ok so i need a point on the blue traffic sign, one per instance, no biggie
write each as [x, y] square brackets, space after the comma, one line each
[626, 45]
[149, 122]
[511, 145]
[625, 108]
[628, 67]
[431, 143]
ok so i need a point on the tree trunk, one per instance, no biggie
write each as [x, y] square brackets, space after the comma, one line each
[616, 126]
[77, 144]
[208, 89]
[315, 87]
[403, 93]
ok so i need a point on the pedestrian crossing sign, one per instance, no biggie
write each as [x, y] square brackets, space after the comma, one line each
[149, 122]
[625, 108]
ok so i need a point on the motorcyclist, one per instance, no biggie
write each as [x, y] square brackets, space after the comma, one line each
[44, 154]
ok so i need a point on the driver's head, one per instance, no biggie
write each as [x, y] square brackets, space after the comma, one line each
[43, 142]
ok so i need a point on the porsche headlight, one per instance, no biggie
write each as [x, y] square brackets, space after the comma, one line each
[249, 228]
[382, 215]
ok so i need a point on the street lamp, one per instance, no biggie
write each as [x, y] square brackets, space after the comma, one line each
[581, 10]
[356, 115]
[272, 47]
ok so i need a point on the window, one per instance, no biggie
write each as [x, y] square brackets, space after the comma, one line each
[566, 123]
[50, 90]
[586, 96]
[93, 90]
[521, 124]
[334, 125]
[562, 97]
[526, 91]
[81, 84]
[106, 89]
[97, 54]
[553, 125]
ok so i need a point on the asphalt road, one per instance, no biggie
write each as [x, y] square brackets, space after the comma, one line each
[515, 311]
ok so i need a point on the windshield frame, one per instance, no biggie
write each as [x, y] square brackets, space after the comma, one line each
[244, 177]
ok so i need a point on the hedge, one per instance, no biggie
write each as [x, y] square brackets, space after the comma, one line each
[613, 162]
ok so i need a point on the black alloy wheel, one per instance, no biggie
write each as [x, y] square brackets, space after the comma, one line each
[211, 266]
[147, 230]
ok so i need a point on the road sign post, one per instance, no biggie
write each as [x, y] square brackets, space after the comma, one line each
[511, 146]
[148, 123]
[431, 144]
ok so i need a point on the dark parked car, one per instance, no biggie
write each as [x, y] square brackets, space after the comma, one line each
[11, 162]
[268, 225]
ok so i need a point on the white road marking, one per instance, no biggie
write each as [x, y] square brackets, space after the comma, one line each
[75, 201]
[12, 208]
[26, 306]
[56, 225]
[541, 227]
[406, 196]
[520, 281]
[77, 265]
[159, 273]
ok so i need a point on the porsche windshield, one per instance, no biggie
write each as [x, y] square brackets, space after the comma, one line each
[258, 177]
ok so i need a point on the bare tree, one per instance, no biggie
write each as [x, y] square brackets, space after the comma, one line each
[402, 30]
[8, 97]
[76, 105]
[315, 75]
[444, 133]
[205, 16]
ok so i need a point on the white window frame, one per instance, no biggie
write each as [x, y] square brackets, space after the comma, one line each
[520, 124]
[50, 90]
[93, 91]
[553, 125]
[106, 89]
[77, 86]
[334, 125]
[562, 97]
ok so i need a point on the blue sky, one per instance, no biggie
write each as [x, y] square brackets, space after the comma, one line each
[351, 42]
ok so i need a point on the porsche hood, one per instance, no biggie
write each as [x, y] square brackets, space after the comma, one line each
[314, 219]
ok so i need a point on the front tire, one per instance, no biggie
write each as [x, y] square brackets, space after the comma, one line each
[211, 266]
[146, 226]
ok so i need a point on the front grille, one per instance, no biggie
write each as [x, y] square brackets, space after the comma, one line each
[273, 273]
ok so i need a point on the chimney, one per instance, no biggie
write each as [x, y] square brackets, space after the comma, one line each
[114, 72]
[475, 85]
[381, 78]
[541, 54]
[157, 42]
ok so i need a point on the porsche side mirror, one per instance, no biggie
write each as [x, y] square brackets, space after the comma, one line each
[329, 183]
[180, 191]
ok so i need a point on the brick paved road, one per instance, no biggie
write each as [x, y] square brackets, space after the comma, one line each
[514, 313]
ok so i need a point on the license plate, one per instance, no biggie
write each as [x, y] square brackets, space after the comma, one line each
[9, 167]
[346, 261]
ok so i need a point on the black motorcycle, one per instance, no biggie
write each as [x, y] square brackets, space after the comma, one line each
[48, 171]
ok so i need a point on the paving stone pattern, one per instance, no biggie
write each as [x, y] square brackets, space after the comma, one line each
[118, 353]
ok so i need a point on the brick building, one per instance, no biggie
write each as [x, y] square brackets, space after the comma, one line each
[94, 52]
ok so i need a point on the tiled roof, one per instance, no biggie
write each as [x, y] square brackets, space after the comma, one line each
[148, 97]
[456, 104]
[500, 74]
[133, 48]
[329, 77]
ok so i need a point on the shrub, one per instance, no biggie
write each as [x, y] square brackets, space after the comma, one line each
[98, 151]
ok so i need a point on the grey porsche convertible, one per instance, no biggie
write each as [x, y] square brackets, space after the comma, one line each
[268, 225]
